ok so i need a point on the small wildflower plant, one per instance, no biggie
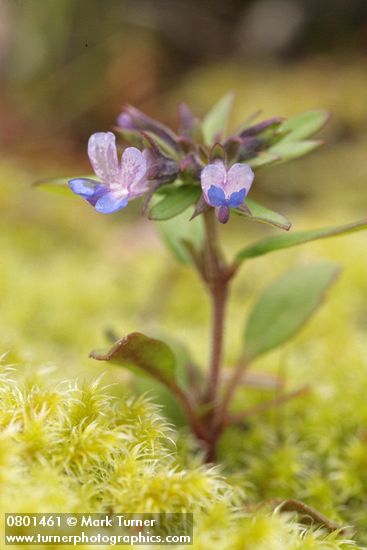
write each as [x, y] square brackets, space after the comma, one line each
[208, 175]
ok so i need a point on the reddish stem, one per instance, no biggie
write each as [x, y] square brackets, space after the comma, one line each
[216, 278]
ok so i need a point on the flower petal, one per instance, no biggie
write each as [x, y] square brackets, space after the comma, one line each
[239, 177]
[133, 171]
[216, 196]
[213, 175]
[90, 190]
[110, 203]
[83, 187]
[103, 156]
[237, 198]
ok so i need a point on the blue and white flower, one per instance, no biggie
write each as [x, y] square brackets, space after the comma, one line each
[224, 189]
[120, 181]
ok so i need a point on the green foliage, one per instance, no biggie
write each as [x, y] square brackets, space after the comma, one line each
[171, 407]
[291, 150]
[285, 306]
[304, 125]
[216, 120]
[152, 357]
[280, 242]
[263, 159]
[257, 212]
[176, 201]
[176, 232]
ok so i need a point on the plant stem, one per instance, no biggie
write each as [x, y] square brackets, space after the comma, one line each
[190, 412]
[219, 307]
[216, 279]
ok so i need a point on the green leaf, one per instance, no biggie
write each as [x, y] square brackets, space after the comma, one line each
[171, 406]
[294, 149]
[137, 351]
[262, 159]
[216, 120]
[265, 246]
[175, 202]
[304, 125]
[176, 231]
[59, 185]
[285, 306]
[262, 214]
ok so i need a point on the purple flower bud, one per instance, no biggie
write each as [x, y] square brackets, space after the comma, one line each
[132, 119]
[271, 123]
[125, 122]
[120, 181]
[187, 120]
[223, 214]
[224, 189]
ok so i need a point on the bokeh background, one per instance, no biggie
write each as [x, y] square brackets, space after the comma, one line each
[69, 275]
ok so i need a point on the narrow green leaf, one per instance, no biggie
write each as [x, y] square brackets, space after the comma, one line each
[294, 149]
[175, 232]
[263, 159]
[59, 185]
[285, 306]
[216, 120]
[270, 244]
[137, 351]
[175, 202]
[262, 214]
[304, 125]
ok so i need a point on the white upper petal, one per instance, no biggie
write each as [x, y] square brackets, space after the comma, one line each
[133, 170]
[239, 176]
[213, 174]
[103, 156]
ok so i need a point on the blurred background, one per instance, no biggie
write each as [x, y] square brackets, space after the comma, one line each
[67, 67]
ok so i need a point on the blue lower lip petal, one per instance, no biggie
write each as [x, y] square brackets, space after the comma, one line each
[216, 196]
[236, 199]
[108, 204]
